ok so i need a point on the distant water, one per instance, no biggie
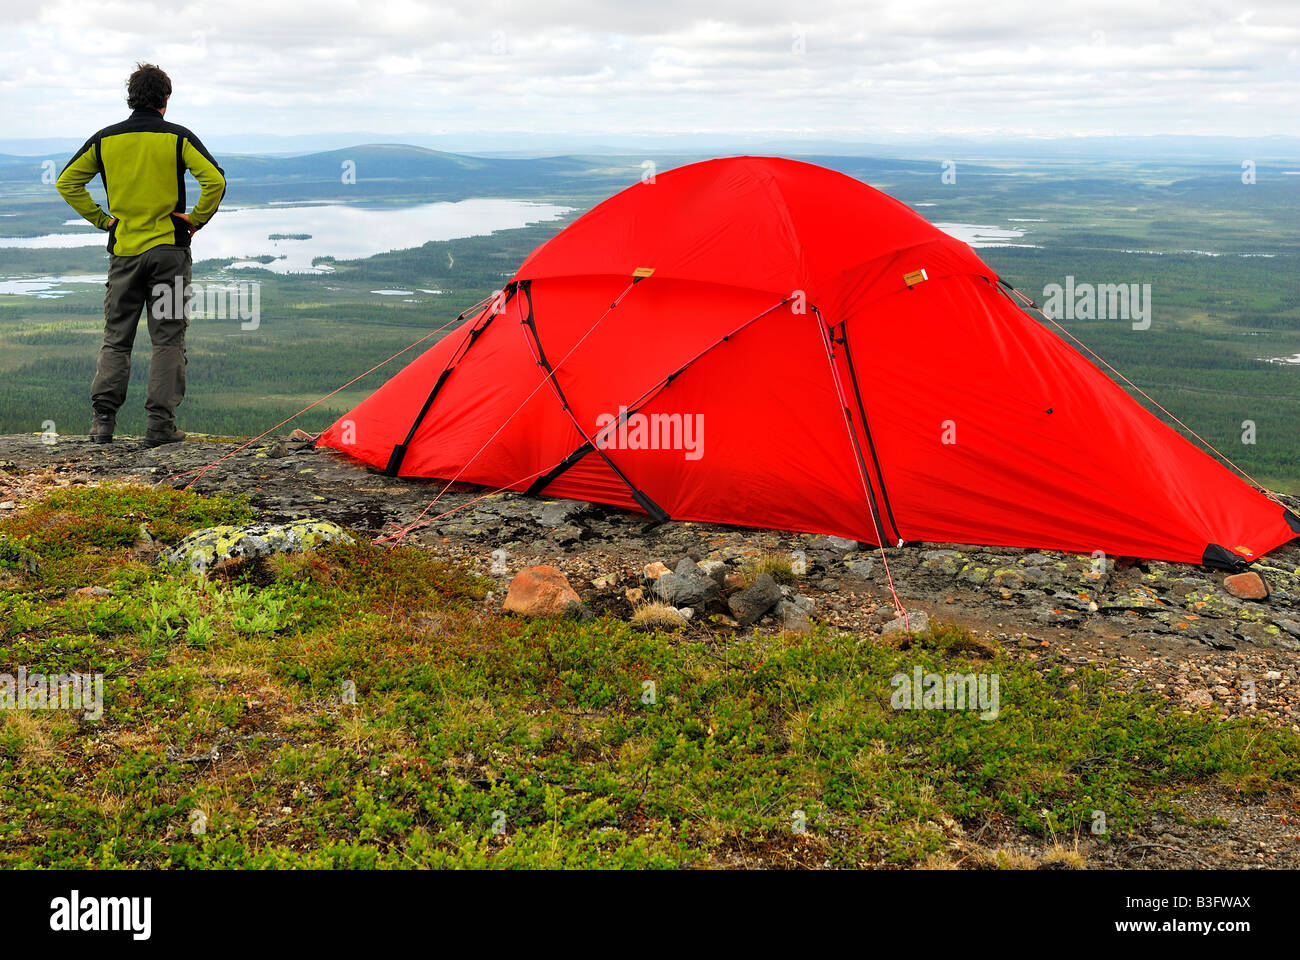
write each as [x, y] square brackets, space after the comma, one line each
[983, 235]
[332, 230]
[46, 288]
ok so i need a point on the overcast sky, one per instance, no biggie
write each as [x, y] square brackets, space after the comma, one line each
[821, 68]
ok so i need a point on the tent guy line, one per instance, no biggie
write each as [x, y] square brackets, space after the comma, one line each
[200, 471]
[1209, 446]
[496, 312]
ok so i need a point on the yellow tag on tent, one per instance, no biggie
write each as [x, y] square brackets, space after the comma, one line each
[642, 272]
[915, 277]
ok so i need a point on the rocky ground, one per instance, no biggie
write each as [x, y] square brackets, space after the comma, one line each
[1173, 630]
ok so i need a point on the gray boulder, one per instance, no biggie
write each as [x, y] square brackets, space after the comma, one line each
[686, 586]
[749, 605]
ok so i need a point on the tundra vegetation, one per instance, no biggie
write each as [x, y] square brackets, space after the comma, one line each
[362, 706]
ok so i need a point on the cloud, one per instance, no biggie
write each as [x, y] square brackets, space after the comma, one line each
[579, 67]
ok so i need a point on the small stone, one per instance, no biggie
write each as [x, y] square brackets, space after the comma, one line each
[541, 591]
[1199, 698]
[685, 612]
[917, 621]
[653, 571]
[567, 534]
[715, 569]
[861, 568]
[93, 592]
[794, 614]
[7, 505]
[938, 554]
[1246, 586]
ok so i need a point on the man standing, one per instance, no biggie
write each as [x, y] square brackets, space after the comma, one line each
[142, 163]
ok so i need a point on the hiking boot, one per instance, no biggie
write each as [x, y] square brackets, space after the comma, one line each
[101, 430]
[158, 439]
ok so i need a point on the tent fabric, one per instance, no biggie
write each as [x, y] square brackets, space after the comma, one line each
[750, 341]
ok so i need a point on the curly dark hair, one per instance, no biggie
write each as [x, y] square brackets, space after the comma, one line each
[148, 87]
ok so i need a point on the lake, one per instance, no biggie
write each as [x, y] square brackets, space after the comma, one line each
[46, 288]
[305, 233]
[984, 235]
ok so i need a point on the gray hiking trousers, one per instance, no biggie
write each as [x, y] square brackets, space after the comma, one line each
[159, 280]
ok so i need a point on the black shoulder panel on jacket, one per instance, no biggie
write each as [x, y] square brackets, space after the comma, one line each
[80, 150]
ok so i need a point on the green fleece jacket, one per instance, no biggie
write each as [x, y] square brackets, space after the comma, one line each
[142, 162]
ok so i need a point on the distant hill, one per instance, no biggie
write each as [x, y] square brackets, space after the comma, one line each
[378, 172]
[657, 144]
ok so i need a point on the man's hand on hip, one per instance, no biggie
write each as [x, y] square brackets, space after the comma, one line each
[186, 218]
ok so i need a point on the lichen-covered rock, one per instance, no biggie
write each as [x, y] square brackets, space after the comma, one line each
[203, 548]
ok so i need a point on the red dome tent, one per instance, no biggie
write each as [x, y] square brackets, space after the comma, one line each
[766, 342]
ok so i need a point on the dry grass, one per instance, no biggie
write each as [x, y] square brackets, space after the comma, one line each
[33, 735]
[658, 616]
[938, 860]
[779, 566]
[1060, 855]
[1011, 860]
